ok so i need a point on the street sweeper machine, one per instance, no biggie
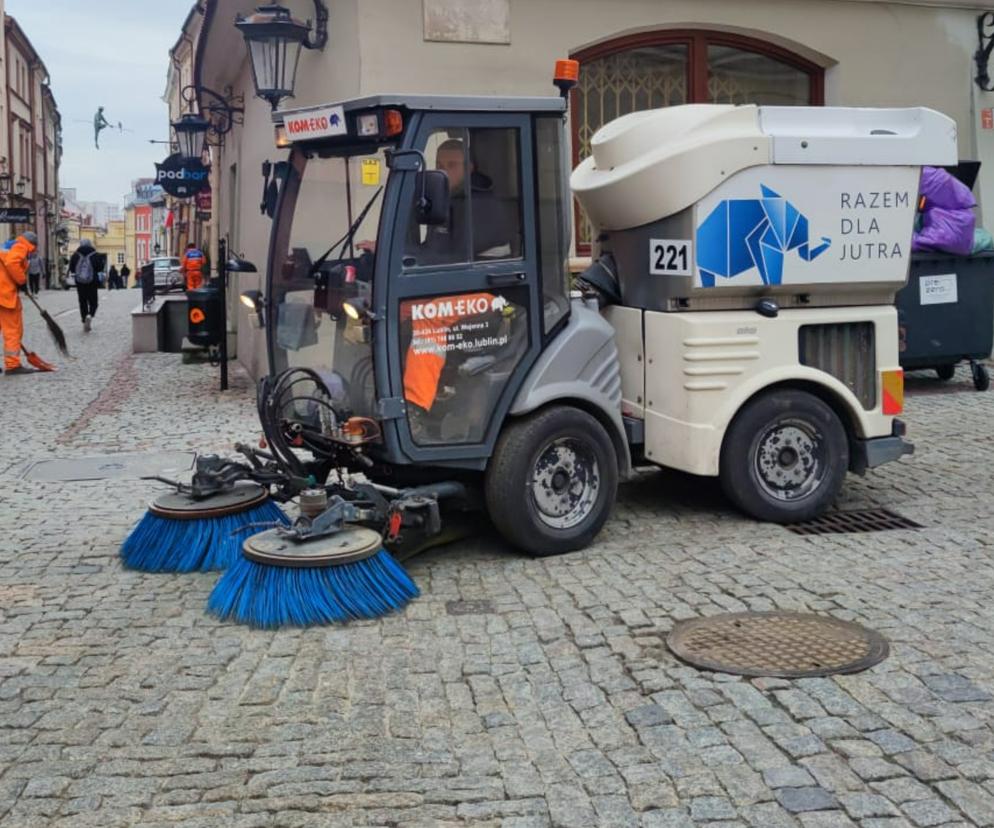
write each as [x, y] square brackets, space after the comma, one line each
[737, 319]
[429, 355]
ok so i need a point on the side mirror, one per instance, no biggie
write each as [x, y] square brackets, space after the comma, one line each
[237, 265]
[431, 192]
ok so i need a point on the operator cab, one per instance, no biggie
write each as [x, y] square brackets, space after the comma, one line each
[418, 263]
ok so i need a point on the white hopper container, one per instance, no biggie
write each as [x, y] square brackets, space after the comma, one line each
[712, 205]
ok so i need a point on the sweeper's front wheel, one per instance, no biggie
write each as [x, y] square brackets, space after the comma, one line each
[784, 457]
[552, 481]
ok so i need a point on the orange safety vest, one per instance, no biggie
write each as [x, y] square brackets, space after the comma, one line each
[193, 268]
[14, 271]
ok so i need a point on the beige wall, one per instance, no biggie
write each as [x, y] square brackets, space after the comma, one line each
[876, 54]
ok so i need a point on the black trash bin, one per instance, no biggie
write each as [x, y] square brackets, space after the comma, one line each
[204, 316]
[946, 314]
[147, 281]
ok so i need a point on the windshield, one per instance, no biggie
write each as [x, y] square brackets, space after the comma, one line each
[317, 265]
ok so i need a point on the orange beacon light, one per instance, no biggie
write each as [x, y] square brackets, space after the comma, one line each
[566, 76]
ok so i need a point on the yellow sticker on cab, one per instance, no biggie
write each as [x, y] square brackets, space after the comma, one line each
[371, 171]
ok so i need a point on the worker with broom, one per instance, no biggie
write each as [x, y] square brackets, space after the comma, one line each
[13, 275]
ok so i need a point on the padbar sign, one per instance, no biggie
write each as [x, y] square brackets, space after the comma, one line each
[182, 177]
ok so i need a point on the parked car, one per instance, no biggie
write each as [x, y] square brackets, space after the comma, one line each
[168, 276]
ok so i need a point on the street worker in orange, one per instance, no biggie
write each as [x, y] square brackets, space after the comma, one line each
[193, 267]
[13, 275]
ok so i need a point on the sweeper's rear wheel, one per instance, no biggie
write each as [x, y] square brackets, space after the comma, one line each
[179, 506]
[552, 481]
[785, 457]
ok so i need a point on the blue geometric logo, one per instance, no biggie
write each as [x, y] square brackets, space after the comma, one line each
[743, 233]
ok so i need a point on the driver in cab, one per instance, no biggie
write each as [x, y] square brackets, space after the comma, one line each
[492, 230]
[448, 243]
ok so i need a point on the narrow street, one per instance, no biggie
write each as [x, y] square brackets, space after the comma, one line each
[515, 691]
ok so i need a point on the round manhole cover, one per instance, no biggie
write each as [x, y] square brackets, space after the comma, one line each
[784, 644]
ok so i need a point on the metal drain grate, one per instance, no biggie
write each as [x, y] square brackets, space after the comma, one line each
[784, 644]
[110, 466]
[856, 520]
[478, 607]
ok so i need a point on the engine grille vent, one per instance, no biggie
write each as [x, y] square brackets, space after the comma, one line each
[848, 352]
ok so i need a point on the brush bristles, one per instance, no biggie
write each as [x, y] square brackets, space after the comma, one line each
[276, 596]
[159, 544]
[57, 335]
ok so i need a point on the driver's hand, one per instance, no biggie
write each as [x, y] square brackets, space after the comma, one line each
[368, 245]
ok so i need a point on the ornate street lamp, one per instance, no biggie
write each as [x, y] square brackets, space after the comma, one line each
[274, 39]
[197, 130]
[191, 134]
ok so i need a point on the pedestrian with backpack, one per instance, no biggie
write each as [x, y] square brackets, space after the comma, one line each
[83, 267]
[34, 273]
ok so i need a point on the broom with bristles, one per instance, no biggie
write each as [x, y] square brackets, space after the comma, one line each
[284, 577]
[53, 327]
[201, 528]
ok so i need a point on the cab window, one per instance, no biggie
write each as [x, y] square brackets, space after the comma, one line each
[553, 220]
[484, 221]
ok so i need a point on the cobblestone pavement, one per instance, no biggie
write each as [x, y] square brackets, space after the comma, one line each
[557, 704]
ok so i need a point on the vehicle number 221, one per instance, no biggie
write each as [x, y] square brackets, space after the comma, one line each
[670, 257]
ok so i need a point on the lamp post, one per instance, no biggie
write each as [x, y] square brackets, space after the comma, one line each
[274, 39]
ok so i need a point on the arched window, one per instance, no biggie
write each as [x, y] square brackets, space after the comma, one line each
[666, 68]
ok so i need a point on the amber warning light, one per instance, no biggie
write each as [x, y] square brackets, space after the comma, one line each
[567, 75]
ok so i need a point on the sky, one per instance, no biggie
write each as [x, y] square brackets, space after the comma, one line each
[110, 53]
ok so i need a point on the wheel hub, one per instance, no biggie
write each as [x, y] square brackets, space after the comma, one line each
[565, 483]
[790, 460]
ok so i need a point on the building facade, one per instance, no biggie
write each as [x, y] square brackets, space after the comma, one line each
[634, 54]
[189, 222]
[144, 215]
[31, 145]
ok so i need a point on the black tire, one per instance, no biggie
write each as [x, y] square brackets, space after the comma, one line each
[945, 372]
[534, 456]
[981, 377]
[810, 463]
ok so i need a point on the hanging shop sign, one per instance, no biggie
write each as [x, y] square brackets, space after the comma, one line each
[15, 215]
[182, 177]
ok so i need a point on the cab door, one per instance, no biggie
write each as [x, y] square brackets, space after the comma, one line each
[463, 295]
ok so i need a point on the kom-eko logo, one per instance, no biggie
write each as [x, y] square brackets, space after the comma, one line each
[457, 307]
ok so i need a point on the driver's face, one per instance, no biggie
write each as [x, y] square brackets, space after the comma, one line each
[453, 163]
